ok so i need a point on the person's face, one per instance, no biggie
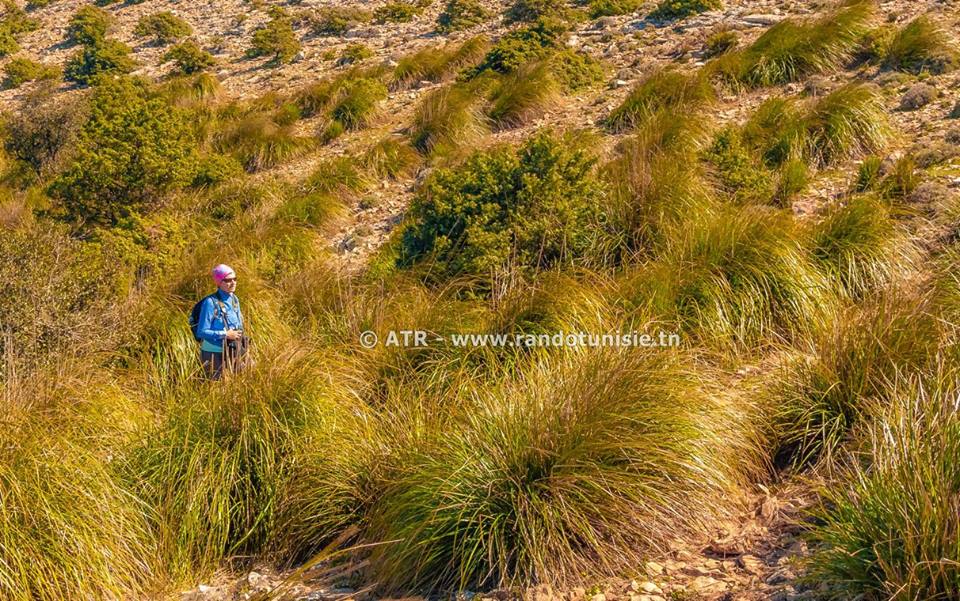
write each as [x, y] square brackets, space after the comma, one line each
[228, 284]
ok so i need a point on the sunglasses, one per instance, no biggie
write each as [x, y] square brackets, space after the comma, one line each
[229, 280]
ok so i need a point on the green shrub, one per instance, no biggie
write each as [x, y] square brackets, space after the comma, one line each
[164, 27]
[791, 50]
[275, 39]
[738, 172]
[535, 206]
[520, 46]
[44, 136]
[679, 9]
[132, 150]
[89, 25]
[396, 12]
[532, 10]
[38, 324]
[21, 70]
[922, 45]
[13, 23]
[34, 4]
[336, 20]
[214, 169]
[888, 526]
[661, 90]
[354, 53]
[609, 8]
[458, 15]
[720, 42]
[105, 57]
[575, 71]
[189, 57]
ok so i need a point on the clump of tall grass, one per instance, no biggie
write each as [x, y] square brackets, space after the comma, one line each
[258, 142]
[390, 158]
[921, 45]
[520, 97]
[735, 275]
[69, 529]
[791, 50]
[823, 396]
[447, 117]
[662, 90]
[862, 247]
[890, 525]
[849, 121]
[437, 64]
[212, 470]
[653, 181]
[349, 101]
[576, 468]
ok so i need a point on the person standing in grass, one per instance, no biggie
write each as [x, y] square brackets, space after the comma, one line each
[219, 326]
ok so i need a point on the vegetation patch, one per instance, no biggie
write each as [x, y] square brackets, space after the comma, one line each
[20, 70]
[791, 50]
[458, 15]
[164, 27]
[535, 206]
[275, 39]
[921, 45]
[189, 58]
[679, 9]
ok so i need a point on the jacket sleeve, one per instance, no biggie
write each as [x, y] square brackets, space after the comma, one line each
[205, 328]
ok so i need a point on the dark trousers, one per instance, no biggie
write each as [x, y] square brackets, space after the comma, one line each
[214, 363]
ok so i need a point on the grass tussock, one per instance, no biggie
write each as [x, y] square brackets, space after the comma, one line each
[921, 45]
[890, 527]
[448, 117]
[862, 247]
[791, 49]
[848, 122]
[212, 470]
[735, 276]
[521, 97]
[437, 64]
[558, 475]
[69, 529]
[662, 90]
[824, 396]
[653, 182]
[258, 142]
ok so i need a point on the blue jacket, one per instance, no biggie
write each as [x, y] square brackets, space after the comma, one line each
[216, 320]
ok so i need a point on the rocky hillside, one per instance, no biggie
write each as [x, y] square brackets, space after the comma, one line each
[904, 148]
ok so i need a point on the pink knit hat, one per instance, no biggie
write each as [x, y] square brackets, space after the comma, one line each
[222, 271]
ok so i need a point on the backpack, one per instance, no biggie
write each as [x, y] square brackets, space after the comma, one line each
[194, 319]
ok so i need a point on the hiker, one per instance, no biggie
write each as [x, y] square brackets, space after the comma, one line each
[218, 325]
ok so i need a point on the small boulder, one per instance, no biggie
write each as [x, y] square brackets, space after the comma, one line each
[918, 96]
